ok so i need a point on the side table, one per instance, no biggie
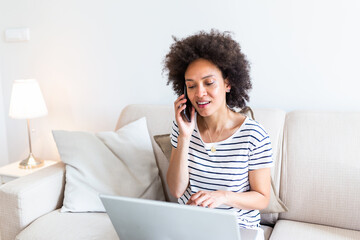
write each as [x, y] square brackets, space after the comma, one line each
[12, 171]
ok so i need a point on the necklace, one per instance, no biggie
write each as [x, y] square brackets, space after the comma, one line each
[213, 149]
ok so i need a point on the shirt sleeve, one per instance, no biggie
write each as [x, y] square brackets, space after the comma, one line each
[174, 134]
[261, 155]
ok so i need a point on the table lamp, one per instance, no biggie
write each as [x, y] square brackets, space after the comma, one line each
[27, 102]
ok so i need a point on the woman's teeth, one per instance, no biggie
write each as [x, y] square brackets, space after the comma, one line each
[202, 103]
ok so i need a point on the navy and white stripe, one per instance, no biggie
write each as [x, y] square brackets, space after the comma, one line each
[249, 148]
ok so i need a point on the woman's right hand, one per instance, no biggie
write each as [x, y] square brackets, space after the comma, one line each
[185, 128]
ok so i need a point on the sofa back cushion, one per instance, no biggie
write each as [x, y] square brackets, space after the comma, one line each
[320, 180]
[273, 122]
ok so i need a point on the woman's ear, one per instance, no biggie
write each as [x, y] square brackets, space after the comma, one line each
[227, 85]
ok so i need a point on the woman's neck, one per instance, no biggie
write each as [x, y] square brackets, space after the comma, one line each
[217, 121]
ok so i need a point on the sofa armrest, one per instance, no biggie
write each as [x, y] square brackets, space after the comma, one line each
[27, 198]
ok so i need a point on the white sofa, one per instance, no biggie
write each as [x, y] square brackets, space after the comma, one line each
[316, 174]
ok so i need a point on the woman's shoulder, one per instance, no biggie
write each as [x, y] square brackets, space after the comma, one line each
[254, 128]
[253, 123]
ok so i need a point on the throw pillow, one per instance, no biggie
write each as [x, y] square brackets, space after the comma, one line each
[115, 163]
[275, 204]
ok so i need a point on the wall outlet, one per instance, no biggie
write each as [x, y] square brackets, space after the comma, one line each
[17, 34]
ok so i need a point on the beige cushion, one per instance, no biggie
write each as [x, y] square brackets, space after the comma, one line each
[273, 122]
[159, 120]
[285, 230]
[70, 226]
[321, 174]
[164, 143]
[96, 226]
[267, 231]
[275, 205]
[116, 163]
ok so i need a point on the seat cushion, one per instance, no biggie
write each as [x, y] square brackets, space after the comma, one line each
[286, 229]
[58, 226]
[267, 231]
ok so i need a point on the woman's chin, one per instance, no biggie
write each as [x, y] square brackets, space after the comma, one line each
[203, 112]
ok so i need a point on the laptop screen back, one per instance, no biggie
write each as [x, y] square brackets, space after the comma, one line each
[139, 219]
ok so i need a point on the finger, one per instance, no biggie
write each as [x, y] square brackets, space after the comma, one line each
[191, 203]
[196, 195]
[178, 115]
[179, 111]
[213, 205]
[207, 202]
[180, 103]
[181, 97]
[201, 199]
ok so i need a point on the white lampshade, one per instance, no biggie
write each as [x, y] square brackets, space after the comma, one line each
[26, 100]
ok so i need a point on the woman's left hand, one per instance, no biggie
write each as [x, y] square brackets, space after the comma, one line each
[210, 199]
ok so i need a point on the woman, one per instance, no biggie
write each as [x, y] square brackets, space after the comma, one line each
[220, 159]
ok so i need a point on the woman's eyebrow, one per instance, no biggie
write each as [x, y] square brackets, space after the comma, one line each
[190, 80]
[207, 76]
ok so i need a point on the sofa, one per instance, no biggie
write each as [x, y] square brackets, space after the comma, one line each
[316, 175]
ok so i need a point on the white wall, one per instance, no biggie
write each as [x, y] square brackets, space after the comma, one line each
[4, 158]
[92, 58]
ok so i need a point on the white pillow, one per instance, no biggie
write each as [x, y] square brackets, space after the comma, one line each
[117, 163]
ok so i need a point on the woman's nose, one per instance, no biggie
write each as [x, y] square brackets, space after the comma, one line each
[200, 91]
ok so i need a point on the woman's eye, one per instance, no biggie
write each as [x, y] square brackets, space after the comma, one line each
[189, 87]
[209, 83]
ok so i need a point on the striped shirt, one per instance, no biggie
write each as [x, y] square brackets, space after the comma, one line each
[249, 148]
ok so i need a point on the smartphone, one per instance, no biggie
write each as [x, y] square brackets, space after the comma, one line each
[187, 111]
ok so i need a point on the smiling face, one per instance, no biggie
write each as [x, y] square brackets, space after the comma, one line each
[206, 87]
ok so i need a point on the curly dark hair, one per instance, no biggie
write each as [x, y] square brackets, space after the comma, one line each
[218, 48]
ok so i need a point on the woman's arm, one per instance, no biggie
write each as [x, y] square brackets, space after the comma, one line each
[257, 198]
[177, 176]
[259, 195]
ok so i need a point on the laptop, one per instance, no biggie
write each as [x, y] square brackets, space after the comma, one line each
[140, 219]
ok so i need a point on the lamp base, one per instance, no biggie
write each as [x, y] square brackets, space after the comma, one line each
[30, 162]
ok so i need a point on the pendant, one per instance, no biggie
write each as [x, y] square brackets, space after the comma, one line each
[213, 149]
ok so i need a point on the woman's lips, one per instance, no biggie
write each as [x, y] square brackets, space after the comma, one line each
[203, 104]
